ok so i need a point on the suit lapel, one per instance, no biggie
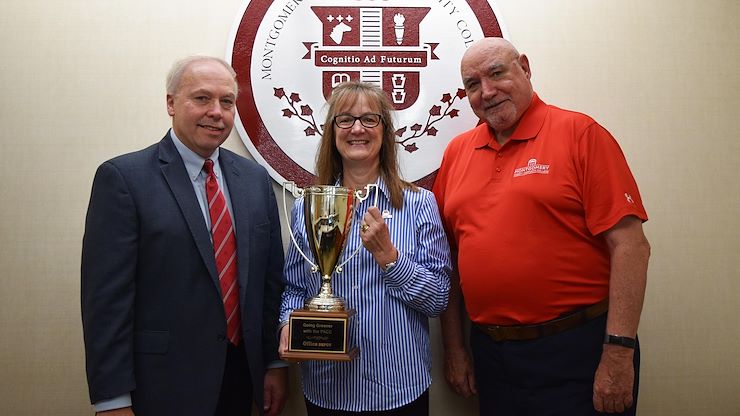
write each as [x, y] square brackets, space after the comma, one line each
[177, 178]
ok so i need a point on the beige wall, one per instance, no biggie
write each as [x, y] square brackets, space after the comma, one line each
[82, 81]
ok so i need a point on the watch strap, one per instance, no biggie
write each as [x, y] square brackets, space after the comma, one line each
[626, 342]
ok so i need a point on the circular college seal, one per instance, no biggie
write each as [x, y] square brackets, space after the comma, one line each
[290, 54]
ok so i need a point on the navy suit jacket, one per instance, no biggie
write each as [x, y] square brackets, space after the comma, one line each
[152, 314]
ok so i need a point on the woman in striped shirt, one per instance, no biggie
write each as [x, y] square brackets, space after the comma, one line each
[398, 281]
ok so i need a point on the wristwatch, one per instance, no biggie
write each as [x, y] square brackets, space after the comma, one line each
[389, 266]
[626, 342]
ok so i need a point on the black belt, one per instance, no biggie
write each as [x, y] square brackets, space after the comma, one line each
[528, 332]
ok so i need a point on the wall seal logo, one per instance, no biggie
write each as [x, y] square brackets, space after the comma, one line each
[290, 55]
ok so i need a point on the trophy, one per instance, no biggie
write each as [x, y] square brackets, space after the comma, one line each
[320, 330]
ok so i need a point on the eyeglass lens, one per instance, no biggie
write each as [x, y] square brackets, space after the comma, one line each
[367, 120]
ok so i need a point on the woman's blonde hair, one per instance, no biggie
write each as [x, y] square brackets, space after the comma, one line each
[329, 161]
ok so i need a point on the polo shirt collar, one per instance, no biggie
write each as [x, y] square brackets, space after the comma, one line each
[529, 125]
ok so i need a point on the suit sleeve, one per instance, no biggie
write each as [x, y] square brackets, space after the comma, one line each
[109, 257]
[274, 280]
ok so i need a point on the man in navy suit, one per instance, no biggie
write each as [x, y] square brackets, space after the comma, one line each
[152, 311]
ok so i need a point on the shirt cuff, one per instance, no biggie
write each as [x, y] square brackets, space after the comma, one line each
[402, 273]
[119, 402]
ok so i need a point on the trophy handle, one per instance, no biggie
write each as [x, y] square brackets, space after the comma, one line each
[297, 193]
[361, 198]
[368, 187]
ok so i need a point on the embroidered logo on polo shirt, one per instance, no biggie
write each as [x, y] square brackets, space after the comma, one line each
[629, 198]
[532, 167]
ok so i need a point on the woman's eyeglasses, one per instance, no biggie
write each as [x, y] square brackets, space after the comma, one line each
[346, 121]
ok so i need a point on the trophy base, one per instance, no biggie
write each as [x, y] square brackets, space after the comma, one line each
[325, 304]
[319, 356]
[319, 335]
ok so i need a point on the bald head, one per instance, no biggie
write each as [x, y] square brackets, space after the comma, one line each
[487, 47]
[497, 81]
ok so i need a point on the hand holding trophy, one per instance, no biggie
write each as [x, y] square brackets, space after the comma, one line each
[320, 330]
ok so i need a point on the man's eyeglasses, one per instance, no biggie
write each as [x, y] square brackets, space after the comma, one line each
[346, 121]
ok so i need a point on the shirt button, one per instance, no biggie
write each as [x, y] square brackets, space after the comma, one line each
[498, 170]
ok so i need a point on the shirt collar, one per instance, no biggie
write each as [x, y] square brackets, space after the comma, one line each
[193, 161]
[383, 189]
[529, 125]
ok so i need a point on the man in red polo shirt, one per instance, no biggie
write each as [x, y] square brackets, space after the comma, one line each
[546, 220]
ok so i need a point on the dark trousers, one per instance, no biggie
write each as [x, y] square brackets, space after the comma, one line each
[419, 407]
[236, 389]
[549, 376]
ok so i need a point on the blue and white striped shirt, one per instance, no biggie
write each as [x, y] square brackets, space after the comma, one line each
[391, 326]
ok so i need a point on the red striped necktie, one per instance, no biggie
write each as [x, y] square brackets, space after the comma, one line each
[224, 247]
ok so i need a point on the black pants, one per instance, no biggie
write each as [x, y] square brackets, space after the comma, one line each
[236, 389]
[419, 407]
[550, 376]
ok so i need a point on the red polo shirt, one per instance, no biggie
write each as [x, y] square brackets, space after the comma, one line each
[527, 217]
